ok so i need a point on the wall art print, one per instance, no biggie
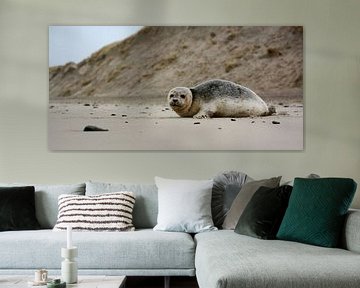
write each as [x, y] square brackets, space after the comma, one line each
[175, 88]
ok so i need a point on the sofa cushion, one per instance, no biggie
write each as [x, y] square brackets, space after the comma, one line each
[225, 259]
[226, 187]
[105, 212]
[46, 200]
[17, 208]
[243, 198]
[138, 250]
[350, 239]
[146, 205]
[317, 209]
[263, 214]
[184, 205]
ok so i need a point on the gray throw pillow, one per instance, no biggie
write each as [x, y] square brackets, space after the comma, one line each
[243, 198]
[226, 187]
[184, 205]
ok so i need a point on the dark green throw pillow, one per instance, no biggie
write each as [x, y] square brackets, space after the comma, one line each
[316, 211]
[17, 208]
[263, 214]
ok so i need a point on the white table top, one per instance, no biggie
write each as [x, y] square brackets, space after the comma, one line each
[84, 281]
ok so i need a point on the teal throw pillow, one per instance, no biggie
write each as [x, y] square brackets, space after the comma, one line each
[316, 211]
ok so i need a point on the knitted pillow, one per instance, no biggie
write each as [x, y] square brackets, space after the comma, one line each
[105, 212]
[317, 210]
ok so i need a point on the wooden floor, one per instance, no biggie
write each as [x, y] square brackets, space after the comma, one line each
[158, 282]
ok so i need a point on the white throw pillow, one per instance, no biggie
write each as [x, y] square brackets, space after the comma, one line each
[105, 212]
[184, 205]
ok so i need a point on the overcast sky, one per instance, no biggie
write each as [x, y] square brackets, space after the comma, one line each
[75, 43]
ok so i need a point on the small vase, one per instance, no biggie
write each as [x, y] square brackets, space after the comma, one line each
[69, 271]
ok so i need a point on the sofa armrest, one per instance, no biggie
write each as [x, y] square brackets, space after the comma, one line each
[351, 234]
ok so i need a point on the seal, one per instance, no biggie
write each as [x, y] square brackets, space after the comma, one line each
[217, 98]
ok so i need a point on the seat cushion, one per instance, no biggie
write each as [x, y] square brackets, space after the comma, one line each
[226, 259]
[143, 249]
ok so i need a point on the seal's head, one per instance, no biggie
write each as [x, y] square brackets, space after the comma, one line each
[180, 100]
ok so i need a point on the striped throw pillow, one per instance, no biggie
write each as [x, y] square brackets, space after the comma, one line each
[105, 212]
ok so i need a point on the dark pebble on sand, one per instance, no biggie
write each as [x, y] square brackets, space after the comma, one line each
[281, 103]
[275, 122]
[252, 121]
[219, 128]
[124, 115]
[232, 119]
[86, 104]
[146, 107]
[52, 106]
[126, 122]
[196, 123]
[113, 114]
[93, 128]
[167, 108]
[286, 105]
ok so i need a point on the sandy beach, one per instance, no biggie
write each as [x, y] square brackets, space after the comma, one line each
[156, 127]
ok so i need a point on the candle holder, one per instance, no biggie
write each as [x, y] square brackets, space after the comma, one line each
[69, 271]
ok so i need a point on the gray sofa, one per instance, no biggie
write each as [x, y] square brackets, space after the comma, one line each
[218, 259]
[226, 259]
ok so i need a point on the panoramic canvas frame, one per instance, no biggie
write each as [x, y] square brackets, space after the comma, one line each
[120, 95]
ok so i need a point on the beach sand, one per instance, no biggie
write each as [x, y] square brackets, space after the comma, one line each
[139, 126]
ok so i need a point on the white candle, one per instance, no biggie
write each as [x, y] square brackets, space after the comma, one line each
[69, 237]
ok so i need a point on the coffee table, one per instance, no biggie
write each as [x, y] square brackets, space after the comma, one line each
[83, 282]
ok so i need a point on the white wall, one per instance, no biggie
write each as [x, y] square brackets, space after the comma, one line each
[332, 90]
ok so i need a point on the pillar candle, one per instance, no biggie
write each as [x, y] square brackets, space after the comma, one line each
[69, 237]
